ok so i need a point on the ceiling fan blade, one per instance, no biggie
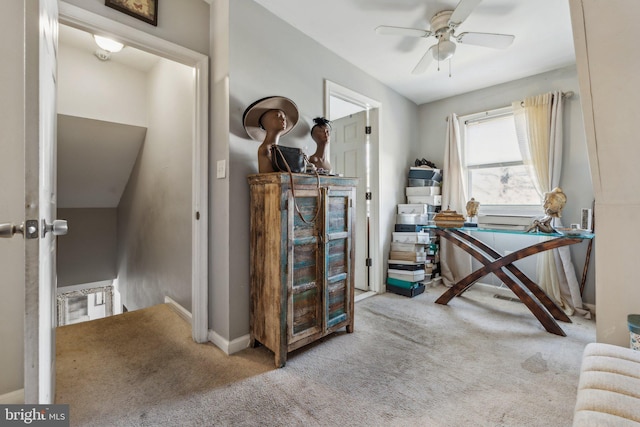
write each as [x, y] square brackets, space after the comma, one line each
[462, 12]
[386, 30]
[423, 64]
[498, 41]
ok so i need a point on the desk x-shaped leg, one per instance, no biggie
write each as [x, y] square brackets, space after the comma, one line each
[542, 307]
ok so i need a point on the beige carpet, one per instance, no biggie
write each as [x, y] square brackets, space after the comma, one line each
[480, 361]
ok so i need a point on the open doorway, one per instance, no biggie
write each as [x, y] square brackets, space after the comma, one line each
[355, 121]
[125, 131]
[162, 213]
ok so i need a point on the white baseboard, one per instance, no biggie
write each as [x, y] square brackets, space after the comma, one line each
[229, 347]
[13, 398]
[180, 310]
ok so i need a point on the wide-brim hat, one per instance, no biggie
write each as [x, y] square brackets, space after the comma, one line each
[253, 113]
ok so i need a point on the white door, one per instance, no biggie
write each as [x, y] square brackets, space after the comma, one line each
[348, 157]
[40, 188]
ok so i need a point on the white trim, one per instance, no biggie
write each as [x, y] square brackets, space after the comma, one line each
[229, 347]
[180, 310]
[374, 109]
[364, 295]
[88, 21]
[13, 398]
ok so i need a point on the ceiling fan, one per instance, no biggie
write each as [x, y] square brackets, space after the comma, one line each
[443, 26]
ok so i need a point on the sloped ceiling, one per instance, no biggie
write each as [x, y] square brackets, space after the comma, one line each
[95, 159]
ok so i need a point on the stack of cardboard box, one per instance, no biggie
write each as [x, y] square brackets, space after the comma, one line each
[413, 251]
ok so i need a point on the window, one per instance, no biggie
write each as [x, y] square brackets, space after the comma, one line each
[493, 167]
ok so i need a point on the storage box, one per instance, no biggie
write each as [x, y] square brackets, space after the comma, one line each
[416, 182]
[408, 276]
[421, 219]
[422, 191]
[409, 227]
[405, 237]
[412, 292]
[408, 247]
[430, 200]
[406, 267]
[425, 173]
[408, 256]
[412, 209]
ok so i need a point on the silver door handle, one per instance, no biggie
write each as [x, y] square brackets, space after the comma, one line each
[58, 227]
[8, 229]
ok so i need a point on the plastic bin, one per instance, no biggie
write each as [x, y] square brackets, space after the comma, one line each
[634, 330]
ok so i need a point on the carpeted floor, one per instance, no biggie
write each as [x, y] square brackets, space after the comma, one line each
[480, 361]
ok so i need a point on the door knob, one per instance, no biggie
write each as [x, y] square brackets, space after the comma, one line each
[8, 229]
[58, 227]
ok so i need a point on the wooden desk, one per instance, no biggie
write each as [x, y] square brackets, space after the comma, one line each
[543, 307]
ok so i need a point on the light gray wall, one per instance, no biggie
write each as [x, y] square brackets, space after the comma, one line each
[184, 22]
[87, 253]
[269, 57]
[101, 90]
[576, 178]
[12, 195]
[154, 215]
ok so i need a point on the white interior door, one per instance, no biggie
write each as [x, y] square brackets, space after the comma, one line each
[348, 157]
[40, 187]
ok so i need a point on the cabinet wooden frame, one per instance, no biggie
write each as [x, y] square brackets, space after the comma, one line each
[301, 271]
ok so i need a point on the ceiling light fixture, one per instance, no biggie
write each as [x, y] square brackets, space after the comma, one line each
[445, 50]
[107, 44]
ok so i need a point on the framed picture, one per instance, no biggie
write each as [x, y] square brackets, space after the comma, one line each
[145, 10]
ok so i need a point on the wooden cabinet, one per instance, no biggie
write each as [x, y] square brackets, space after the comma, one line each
[301, 270]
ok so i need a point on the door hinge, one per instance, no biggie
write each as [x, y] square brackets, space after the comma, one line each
[368, 262]
[367, 130]
[368, 195]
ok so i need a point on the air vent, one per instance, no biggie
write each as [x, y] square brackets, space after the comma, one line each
[506, 298]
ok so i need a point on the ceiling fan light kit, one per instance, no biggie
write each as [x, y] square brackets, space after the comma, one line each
[443, 25]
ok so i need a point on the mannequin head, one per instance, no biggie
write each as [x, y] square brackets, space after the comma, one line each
[554, 202]
[273, 121]
[321, 131]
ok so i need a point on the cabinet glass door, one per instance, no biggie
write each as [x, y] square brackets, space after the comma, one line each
[337, 256]
[304, 266]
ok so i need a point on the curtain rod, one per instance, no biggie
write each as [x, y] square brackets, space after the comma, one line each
[567, 95]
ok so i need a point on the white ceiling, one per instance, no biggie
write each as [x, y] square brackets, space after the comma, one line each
[542, 29]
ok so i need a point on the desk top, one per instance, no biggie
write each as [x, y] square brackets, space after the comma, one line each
[580, 235]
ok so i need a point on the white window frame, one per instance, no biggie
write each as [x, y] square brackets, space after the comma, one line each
[529, 210]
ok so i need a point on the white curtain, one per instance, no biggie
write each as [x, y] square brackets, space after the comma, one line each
[538, 122]
[454, 263]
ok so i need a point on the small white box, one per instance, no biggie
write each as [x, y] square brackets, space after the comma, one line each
[409, 276]
[416, 208]
[430, 200]
[408, 237]
[422, 191]
[420, 219]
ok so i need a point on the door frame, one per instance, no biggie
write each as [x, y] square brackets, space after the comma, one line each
[88, 21]
[373, 110]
